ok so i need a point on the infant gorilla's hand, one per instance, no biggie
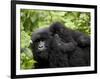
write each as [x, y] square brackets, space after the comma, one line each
[65, 47]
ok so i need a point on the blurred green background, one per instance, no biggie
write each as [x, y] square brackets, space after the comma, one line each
[34, 19]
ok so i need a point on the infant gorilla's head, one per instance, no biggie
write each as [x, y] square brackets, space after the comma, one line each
[56, 27]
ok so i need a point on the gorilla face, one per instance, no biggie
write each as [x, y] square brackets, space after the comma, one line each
[42, 46]
[40, 42]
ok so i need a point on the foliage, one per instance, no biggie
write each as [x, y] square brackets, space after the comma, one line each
[34, 19]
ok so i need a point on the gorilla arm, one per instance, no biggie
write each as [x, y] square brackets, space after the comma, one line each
[65, 47]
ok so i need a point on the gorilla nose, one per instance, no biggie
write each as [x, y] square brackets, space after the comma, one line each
[40, 46]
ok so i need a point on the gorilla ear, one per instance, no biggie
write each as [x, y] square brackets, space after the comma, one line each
[57, 36]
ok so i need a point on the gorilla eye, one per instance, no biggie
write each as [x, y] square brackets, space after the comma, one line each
[37, 40]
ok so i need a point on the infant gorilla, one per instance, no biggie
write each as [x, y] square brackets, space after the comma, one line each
[58, 46]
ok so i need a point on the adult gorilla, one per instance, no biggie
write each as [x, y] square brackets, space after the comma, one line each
[58, 46]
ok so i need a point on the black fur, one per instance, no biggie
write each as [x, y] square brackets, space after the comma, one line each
[62, 47]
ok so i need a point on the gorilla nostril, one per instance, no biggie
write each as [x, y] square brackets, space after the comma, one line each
[40, 46]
